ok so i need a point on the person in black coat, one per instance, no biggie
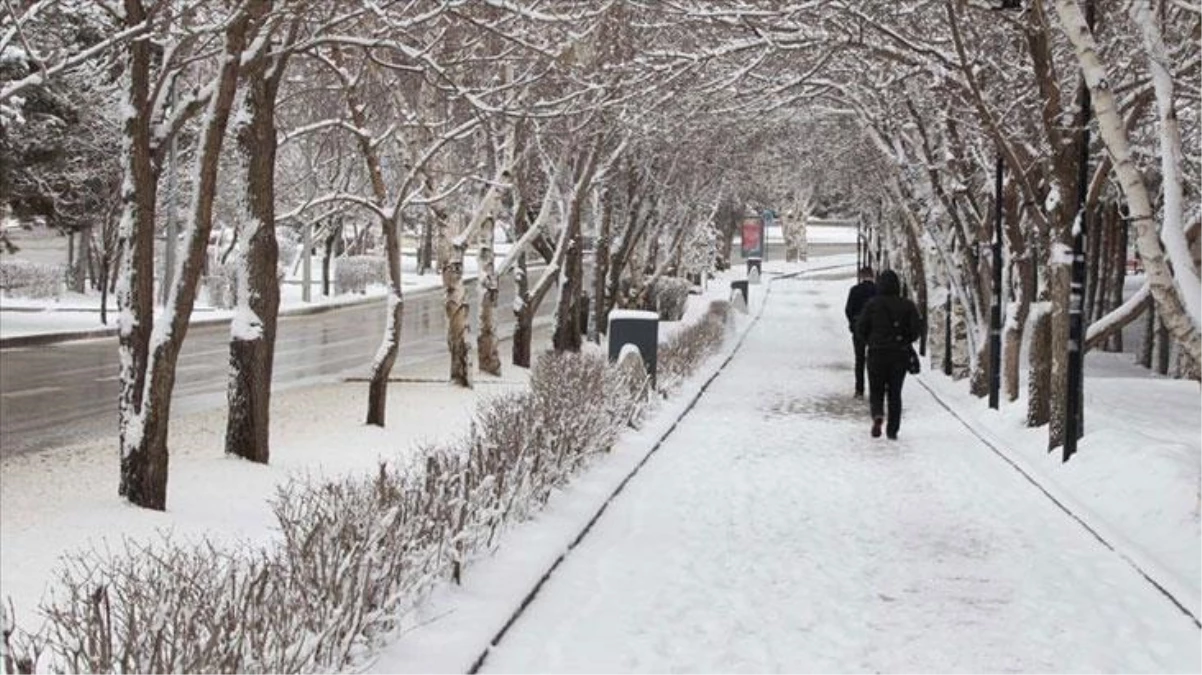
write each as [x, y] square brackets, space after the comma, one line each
[888, 325]
[857, 297]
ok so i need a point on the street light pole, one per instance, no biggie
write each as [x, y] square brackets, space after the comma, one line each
[947, 333]
[995, 316]
[1076, 329]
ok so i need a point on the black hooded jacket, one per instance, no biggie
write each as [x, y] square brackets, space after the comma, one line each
[857, 297]
[889, 322]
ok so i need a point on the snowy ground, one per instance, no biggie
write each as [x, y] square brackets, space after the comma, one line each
[71, 491]
[770, 533]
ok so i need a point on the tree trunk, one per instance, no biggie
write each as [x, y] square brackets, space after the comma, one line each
[980, 373]
[1118, 276]
[457, 313]
[1164, 348]
[1093, 267]
[325, 263]
[487, 346]
[601, 301]
[426, 251]
[1059, 280]
[523, 337]
[1039, 385]
[143, 470]
[143, 431]
[1177, 299]
[1022, 284]
[253, 330]
[567, 314]
[1015, 324]
[1148, 347]
[523, 333]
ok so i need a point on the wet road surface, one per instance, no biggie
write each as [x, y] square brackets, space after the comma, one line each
[53, 394]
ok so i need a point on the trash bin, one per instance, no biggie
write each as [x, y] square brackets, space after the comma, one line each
[639, 328]
[755, 268]
[740, 286]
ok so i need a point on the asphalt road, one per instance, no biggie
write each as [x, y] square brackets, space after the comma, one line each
[52, 394]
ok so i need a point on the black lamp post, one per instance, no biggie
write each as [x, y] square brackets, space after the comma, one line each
[1073, 422]
[947, 333]
[995, 310]
[995, 315]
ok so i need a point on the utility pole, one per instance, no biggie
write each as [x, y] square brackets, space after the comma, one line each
[1073, 423]
[995, 315]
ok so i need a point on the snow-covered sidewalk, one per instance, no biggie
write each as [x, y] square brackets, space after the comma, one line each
[771, 533]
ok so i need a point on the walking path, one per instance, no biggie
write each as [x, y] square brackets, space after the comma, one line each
[771, 533]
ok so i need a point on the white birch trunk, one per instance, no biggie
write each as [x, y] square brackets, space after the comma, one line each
[1175, 292]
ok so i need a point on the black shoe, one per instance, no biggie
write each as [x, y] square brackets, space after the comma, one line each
[876, 426]
[892, 437]
[858, 394]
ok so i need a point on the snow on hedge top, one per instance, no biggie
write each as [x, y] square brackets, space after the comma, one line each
[633, 314]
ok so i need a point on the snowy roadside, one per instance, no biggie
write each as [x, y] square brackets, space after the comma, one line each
[453, 627]
[79, 315]
[1136, 477]
[316, 430]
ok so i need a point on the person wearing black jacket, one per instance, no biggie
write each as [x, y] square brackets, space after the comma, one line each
[857, 297]
[888, 325]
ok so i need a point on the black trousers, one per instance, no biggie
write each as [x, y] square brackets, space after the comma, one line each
[861, 349]
[886, 374]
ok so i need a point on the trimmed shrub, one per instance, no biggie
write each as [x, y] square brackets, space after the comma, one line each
[688, 347]
[671, 296]
[221, 285]
[24, 279]
[353, 274]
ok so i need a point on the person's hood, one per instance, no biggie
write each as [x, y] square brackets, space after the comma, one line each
[887, 283]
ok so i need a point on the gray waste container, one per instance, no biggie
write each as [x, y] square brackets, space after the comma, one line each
[740, 286]
[638, 328]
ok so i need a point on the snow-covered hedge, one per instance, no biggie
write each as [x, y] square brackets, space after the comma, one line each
[221, 284]
[24, 279]
[354, 553]
[353, 274]
[671, 295]
[687, 348]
